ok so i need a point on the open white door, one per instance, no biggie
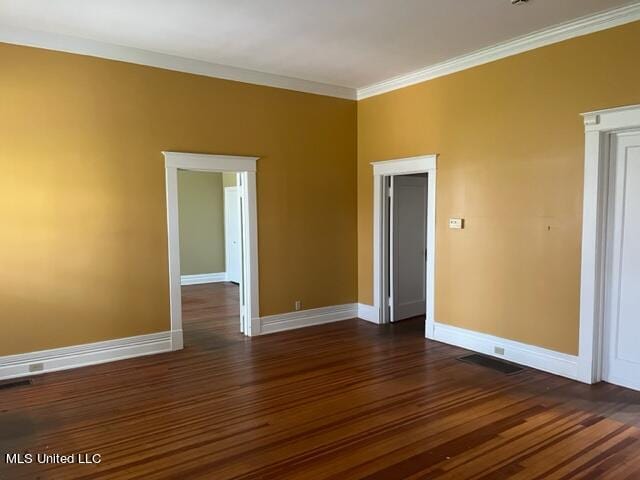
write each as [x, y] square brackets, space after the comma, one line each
[408, 242]
[232, 234]
[621, 359]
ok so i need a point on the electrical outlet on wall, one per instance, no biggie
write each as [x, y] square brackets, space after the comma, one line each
[297, 305]
[456, 223]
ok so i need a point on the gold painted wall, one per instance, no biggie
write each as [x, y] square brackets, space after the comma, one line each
[83, 243]
[511, 145]
[201, 214]
[83, 203]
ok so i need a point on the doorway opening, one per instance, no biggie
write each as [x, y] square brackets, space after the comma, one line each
[404, 239]
[213, 254]
[610, 260]
[210, 222]
[406, 235]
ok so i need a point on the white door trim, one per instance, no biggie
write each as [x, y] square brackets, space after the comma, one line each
[599, 126]
[382, 170]
[246, 166]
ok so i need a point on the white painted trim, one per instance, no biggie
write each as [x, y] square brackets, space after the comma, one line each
[599, 126]
[246, 168]
[618, 118]
[12, 366]
[200, 278]
[405, 166]
[203, 162]
[381, 170]
[177, 342]
[565, 31]
[531, 356]
[307, 318]
[250, 284]
[93, 48]
[173, 244]
[368, 313]
[82, 46]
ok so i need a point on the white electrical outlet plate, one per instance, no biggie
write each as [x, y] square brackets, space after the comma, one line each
[456, 223]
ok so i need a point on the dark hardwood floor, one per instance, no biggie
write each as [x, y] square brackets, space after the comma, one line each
[211, 315]
[339, 401]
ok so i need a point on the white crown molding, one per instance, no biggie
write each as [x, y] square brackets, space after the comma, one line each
[34, 363]
[93, 48]
[541, 38]
[308, 318]
[202, 278]
[529, 355]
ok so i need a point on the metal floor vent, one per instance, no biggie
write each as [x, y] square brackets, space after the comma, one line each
[17, 383]
[492, 363]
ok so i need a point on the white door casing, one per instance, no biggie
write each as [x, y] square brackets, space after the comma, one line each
[232, 235]
[600, 129]
[408, 224]
[621, 356]
[246, 168]
[381, 171]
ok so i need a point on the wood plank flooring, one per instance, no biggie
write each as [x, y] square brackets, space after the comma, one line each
[348, 400]
[211, 315]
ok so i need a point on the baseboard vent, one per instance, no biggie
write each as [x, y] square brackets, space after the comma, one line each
[517, 352]
[492, 363]
[17, 383]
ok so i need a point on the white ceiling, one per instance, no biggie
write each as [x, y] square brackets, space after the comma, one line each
[349, 43]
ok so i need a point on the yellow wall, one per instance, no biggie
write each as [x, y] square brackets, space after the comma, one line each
[510, 140]
[82, 196]
[83, 241]
[201, 214]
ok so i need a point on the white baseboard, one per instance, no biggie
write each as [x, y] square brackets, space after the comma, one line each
[203, 278]
[34, 363]
[368, 313]
[307, 318]
[531, 356]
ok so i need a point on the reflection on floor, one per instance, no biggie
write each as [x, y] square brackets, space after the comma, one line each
[211, 314]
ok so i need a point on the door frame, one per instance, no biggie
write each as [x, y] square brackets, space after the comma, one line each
[599, 127]
[381, 171]
[246, 168]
